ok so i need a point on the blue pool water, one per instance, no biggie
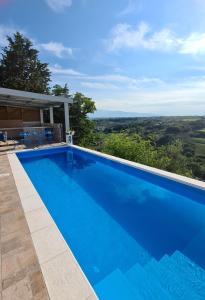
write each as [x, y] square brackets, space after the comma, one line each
[134, 234]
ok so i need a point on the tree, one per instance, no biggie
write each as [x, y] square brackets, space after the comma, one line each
[134, 148]
[79, 121]
[20, 67]
[58, 90]
[173, 130]
[178, 162]
[164, 140]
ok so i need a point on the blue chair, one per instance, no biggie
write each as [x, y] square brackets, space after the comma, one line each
[3, 136]
[49, 134]
[41, 137]
[24, 137]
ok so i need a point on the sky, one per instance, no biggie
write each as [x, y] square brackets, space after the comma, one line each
[145, 56]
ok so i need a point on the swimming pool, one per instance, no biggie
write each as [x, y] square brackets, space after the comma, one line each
[135, 235]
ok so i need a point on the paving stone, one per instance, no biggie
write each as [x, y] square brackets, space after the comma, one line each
[22, 278]
[13, 221]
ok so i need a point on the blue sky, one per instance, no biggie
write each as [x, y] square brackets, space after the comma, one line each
[146, 56]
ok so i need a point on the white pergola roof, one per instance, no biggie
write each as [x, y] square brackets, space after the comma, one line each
[16, 98]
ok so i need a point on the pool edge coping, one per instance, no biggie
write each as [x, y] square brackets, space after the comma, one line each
[168, 175]
[27, 191]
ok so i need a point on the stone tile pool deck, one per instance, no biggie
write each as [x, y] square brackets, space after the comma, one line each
[21, 276]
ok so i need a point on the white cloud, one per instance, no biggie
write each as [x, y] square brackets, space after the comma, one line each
[113, 78]
[58, 49]
[125, 36]
[131, 6]
[7, 31]
[146, 95]
[126, 82]
[59, 5]
[165, 40]
[99, 85]
[109, 81]
[200, 68]
[58, 70]
[194, 44]
[186, 97]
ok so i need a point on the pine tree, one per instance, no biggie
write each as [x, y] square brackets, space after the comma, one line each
[20, 67]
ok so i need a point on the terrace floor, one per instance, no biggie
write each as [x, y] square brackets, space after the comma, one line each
[13, 145]
[21, 276]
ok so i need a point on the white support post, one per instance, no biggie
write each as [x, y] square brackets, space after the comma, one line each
[67, 121]
[51, 115]
[41, 116]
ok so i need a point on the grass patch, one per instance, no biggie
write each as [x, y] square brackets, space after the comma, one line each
[202, 130]
[191, 119]
[198, 140]
[200, 150]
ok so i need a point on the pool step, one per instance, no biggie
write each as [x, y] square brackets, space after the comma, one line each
[171, 280]
[174, 277]
[116, 286]
[194, 274]
[146, 284]
[196, 249]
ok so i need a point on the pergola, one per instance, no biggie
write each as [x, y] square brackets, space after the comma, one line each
[17, 98]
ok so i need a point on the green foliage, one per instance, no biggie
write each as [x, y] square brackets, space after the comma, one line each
[20, 67]
[178, 141]
[198, 140]
[202, 130]
[200, 150]
[164, 140]
[178, 162]
[173, 130]
[198, 169]
[134, 148]
[188, 150]
[58, 90]
[79, 120]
